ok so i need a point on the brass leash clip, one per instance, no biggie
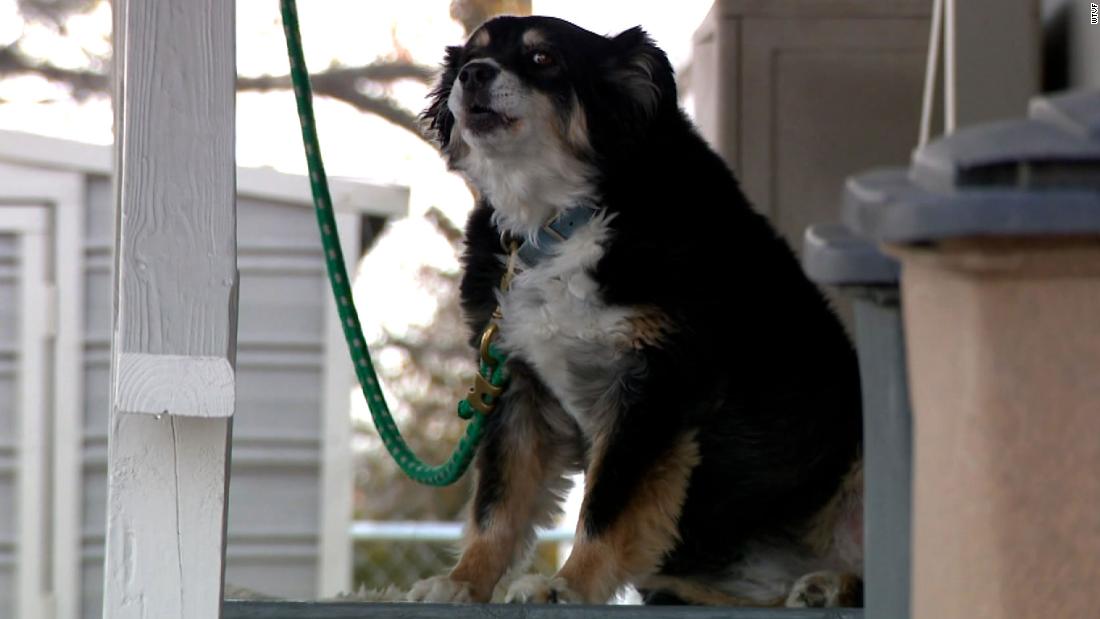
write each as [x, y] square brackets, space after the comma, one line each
[483, 396]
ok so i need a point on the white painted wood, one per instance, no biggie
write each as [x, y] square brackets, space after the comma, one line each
[174, 385]
[62, 193]
[177, 247]
[165, 523]
[334, 565]
[175, 295]
[992, 60]
[260, 183]
[32, 545]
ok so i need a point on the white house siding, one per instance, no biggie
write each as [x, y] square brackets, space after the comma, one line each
[98, 243]
[9, 305]
[289, 356]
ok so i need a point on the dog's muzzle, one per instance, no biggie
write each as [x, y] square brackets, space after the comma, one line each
[477, 79]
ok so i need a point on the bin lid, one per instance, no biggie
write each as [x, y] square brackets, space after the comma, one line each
[832, 254]
[1036, 176]
[886, 206]
[1075, 112]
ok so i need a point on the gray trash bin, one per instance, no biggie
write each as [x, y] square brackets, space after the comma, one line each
[998, 231]
[832, 255]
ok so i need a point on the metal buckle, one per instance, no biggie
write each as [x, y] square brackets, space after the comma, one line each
[482, 396]
[480, 393]
[487, 337]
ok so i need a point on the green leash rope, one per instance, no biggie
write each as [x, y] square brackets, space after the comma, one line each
[492, 361]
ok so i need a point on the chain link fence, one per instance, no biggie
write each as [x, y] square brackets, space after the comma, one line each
[399, 553]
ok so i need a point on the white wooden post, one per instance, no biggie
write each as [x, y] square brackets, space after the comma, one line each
[174, 339]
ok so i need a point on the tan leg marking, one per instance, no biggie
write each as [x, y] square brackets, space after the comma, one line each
[633, 546]
[649, 328]
[529, 501]
[572, 132]
[576, 132]
[837, 529]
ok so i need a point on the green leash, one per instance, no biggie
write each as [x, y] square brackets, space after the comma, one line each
[491, 378]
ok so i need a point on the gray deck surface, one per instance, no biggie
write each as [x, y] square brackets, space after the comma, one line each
[367, 610]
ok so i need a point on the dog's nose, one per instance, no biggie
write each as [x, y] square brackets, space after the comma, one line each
[476, 75]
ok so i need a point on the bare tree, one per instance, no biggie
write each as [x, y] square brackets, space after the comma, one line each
[352, 85]
[471, 13]
[357, 85]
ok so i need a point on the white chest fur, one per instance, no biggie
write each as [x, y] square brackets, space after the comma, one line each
[556, 320]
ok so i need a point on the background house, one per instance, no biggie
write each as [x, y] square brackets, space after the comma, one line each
[291, 468]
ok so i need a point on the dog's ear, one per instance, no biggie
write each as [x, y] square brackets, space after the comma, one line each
[642, 71]
[437, 121]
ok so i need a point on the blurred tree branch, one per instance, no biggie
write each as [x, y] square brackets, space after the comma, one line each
[82, 83]
[471, 13]
[341, 83]
[347, 84]
[350, 85]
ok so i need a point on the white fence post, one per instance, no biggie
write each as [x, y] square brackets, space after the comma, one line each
[174, 338]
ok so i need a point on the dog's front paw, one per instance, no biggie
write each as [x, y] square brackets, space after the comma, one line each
[537, 589]
[826, 590]
[440, 589]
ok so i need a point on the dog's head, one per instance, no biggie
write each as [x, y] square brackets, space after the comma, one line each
[524, 90]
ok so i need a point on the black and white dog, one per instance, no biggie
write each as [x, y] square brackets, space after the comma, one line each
[660, 337]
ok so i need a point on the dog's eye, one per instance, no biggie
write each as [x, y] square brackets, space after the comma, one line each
[542, 59]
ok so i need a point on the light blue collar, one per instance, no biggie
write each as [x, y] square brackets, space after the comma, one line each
[555, 232]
